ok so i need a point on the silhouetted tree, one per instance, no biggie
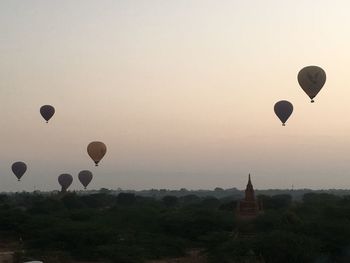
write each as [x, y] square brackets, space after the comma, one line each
[126, 198]
[170, 201]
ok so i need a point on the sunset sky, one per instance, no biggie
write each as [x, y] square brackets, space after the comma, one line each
[181, 92]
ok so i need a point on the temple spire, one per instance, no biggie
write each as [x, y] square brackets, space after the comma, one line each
[249, 207]
[249, 184]
[249, 191]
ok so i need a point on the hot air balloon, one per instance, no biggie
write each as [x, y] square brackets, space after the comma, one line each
[47, 111]
[283, 110]
[311, 79]
[65, 180]
[85, 178]
[19, 168]
[96, 151]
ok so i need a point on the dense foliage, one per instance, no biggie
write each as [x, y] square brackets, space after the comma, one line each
[130, 228]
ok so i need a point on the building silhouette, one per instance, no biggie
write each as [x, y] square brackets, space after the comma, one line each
[249, 207]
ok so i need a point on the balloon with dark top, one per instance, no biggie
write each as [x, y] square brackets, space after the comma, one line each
[85, 177]
[47, 111]
[96, 151]
[19, 168]
[283, 110]
[65, 180]
[311, 79]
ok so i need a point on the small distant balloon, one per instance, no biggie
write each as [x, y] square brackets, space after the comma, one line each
[311, 79]
[19, 168]
[65, 180]
[47, 111]
[283, 110]
[85, 177]
[96, 151]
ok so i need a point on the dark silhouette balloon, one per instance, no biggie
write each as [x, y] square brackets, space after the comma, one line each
[47, 111]
[96, 151]
[283, 110]
[19, 168]
[311, 79]
[85, 178]
[65, 180]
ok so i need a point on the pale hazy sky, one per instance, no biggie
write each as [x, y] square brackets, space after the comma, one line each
[181, 92]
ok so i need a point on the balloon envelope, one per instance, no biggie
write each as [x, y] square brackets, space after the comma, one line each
[311, 79]
[283, 110]
[65, 180]
[19, 168]
[85, 177]
[47, 111]
[96, 151]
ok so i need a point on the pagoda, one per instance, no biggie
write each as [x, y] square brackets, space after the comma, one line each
[249, 207]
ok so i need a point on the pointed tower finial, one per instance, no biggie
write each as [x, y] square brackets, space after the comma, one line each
[249, 192]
